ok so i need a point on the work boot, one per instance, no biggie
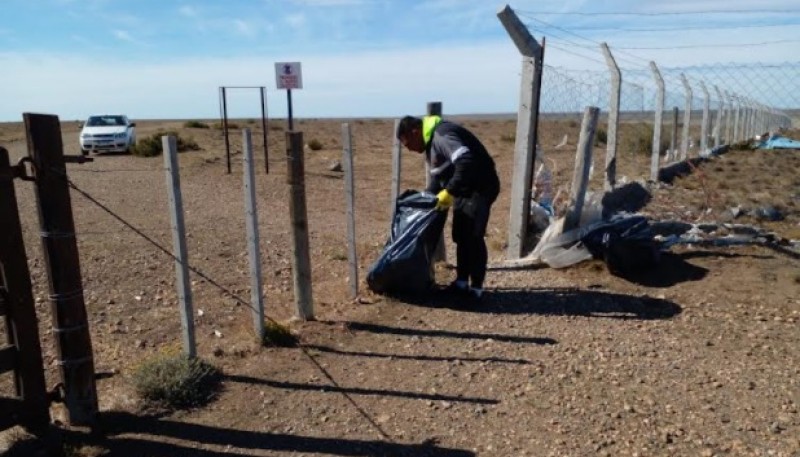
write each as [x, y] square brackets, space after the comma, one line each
[457, 288]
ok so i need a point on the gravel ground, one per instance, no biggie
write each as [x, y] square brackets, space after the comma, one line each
[697, 356]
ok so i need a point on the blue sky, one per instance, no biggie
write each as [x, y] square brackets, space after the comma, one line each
[166, 59]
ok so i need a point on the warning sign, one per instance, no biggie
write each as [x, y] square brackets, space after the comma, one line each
[288, 75]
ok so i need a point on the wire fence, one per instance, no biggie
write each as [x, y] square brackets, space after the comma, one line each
[753, 97]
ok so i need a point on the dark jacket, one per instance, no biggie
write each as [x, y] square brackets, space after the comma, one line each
[460, 163]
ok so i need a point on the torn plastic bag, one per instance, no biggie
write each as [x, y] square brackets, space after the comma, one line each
[625, 242]
[404, 266]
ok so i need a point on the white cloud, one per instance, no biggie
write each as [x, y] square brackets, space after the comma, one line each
[124, 35]
[297, 20]
[188, 11]
[244, 28]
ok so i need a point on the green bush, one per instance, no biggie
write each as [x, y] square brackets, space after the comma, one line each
[315, 145]
[176, 381]
[151, 146]
[196, 125]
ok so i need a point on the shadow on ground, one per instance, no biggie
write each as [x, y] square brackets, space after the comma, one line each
[556, 302]
[127, 434]
[671, 270]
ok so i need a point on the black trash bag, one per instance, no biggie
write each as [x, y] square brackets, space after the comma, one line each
[404, 266]
[625, 243]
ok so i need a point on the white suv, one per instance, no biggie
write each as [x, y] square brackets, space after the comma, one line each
[107, 133]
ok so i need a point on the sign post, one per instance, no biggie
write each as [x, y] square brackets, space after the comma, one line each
[288, 75]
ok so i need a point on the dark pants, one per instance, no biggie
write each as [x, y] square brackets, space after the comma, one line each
[470, 218]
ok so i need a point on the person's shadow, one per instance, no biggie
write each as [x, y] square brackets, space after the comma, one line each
[554, 301]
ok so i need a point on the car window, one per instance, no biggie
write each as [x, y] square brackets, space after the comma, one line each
[103, 121]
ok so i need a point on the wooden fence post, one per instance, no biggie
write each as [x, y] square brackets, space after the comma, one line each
[527, 121]
[253, 238]
[687, 117]
[659, 120]
[17, 305]
[613, 118]
[350, 196]
[583, 164]
[301, 266]
[181, 254]
[70, 324]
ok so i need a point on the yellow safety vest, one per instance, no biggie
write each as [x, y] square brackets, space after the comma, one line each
[429, 124]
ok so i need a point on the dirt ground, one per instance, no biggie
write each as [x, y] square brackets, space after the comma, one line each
[697, 356]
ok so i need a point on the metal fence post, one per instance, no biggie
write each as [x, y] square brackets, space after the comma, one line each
[70, 324]
[527, 120]
[349, 191]
[687, 117]
[659, 120]
[181, 254]
[253, 238]
[613, 118]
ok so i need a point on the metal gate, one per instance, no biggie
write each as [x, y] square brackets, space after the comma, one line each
[21, 354]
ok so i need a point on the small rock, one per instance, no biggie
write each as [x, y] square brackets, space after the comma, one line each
[335, 166]
[217, 333]
[775, 428]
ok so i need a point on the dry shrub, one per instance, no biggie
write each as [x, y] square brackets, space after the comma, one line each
[151, 146]
[176, 381]
[638, 138]
[276, 334]
[315, 145]
[196, 125]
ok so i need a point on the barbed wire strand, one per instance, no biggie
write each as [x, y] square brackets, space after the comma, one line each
[230, 293]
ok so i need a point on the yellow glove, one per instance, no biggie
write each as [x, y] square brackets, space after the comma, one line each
[444, 200]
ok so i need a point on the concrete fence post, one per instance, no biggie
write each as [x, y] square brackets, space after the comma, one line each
[737, 122]
[583, 164]
[720, 113]
[672, 155]
[687, 117]
[613, 118]
[298, 215]
[659, 121]
[181, 254]
[527, 121]
[253, 237]
[704, 128]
